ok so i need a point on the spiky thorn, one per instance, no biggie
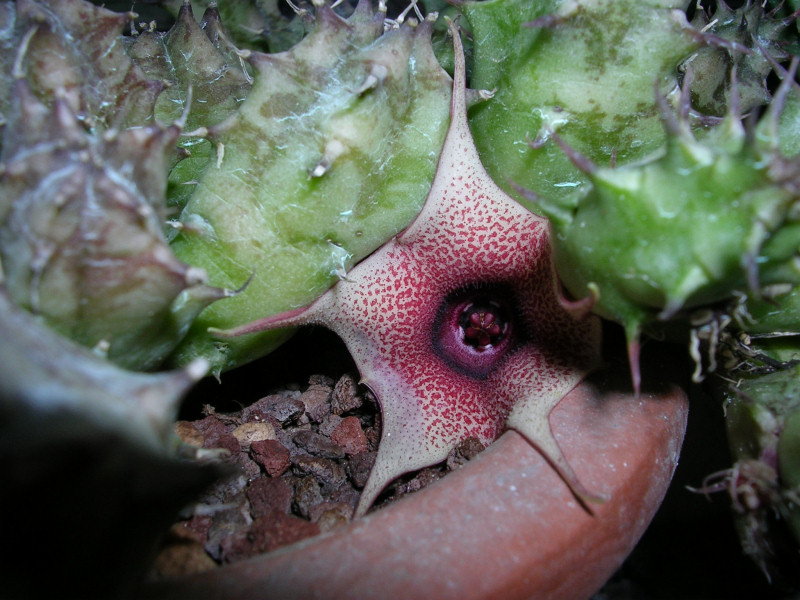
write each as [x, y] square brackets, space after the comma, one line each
[180, 122]
[634, 336]
[540, 140]
[17, 72]
[529, 195]
[333, 150]
[211, 24]
[685, 98]
[672, 124]
[475, 97]
[581, 162]
[411, 6]
[788, 20]
[734, 106]
[301, 12]
[782, 171]
[711, 40]
[787, 77]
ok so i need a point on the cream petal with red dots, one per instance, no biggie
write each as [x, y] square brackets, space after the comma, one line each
[473, 254]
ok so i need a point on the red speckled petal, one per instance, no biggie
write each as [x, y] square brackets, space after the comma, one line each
[469, 235]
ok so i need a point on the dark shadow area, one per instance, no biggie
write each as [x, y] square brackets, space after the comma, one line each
[691, 550]
[310, 351]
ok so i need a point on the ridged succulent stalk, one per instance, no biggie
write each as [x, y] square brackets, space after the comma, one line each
[707, 219]
[763, 424]
[90, 463]
[330, 155]
[750, 40]
[583, 69]
[82, 191]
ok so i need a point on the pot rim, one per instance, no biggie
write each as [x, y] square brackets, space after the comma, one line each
[477, 533]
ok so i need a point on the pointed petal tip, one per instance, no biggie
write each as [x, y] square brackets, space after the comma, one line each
[289, 318]
[634, 350]
[459, 71]
[377, 481]
[582, 307]
[551, 451]
[586, 498]
[536, 430]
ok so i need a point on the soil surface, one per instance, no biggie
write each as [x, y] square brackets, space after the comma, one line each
[299, 457]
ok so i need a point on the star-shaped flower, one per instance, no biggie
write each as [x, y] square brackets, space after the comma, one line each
[458, 324]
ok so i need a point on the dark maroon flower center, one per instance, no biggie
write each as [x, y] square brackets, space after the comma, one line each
[483, 325]
[474, 331]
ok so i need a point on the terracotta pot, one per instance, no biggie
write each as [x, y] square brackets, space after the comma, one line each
[503, 526]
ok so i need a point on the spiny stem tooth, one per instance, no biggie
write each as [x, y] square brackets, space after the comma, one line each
[734, 109]
[634, 350]
[195, 276]
[579, 309]
[333, 150]
[686, 96]
[477, 96]
[101, 348]
[779, 100]
[17, 71]
[199, 132]
[581, 162]
[301, 11]
[180, 123]
[668, 118]
[377, 74]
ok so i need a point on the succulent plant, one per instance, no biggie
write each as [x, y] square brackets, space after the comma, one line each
[81, 234]
[583, 69]
[457, 324]
[753, 344]
[193, 56]
[762, 417]
[721, 217]
[73, 52]
[90, 463]
[204, 75]
[282, 174]
[330, 155]
[749, 39]
[265, 25]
